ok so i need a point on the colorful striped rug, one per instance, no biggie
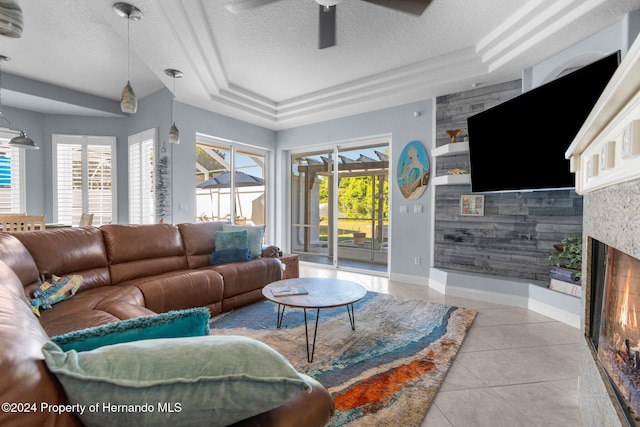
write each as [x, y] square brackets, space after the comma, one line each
[385, 373]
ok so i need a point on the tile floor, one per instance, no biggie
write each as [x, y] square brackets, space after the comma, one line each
[515, 368]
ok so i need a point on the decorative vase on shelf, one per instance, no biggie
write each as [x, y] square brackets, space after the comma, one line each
[453, 134]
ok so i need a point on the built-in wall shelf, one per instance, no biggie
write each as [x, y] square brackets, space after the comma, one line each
[458, 179]
[451, 149]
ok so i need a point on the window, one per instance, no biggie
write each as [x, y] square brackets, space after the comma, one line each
[219, 165]
[11, 176]
[84, 178]
[142, 198]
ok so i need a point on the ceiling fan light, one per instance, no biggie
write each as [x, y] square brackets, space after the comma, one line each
[22, 141]
[174, 134]
[11, 21]
[128, 100]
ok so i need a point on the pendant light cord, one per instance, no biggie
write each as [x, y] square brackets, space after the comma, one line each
[174, 97]
[128, 49]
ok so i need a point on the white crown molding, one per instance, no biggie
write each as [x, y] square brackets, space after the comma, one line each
[534, 22]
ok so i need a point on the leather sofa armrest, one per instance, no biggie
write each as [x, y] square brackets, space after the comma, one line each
[123, 310]
[313, 409]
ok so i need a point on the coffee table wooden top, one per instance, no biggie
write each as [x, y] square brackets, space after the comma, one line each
[322, 292]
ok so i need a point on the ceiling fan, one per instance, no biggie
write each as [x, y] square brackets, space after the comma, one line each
[327, 16]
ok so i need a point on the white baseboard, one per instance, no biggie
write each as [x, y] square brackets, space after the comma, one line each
[508, 291]
[406, 278]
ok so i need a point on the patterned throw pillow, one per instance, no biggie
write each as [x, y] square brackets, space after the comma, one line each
[58, 289]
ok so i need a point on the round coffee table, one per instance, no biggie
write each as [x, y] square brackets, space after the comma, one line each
[316, 293]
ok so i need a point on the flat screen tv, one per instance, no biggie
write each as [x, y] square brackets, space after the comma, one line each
[520, 145]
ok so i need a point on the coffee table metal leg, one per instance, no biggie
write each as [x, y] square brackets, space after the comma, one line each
[315, 333]
[280, 316]
[352, 316]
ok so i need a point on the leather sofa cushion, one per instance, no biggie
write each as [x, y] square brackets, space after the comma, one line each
[69, 251]
[93, 307]
[242, 277]
[137, 251]
[18, 258]
[199, 241]
[179, 290]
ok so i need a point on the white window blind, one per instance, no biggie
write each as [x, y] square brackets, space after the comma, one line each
[84, 178]
[12, 198]
[142, 195]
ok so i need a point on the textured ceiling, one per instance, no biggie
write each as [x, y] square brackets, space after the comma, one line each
[262, 65]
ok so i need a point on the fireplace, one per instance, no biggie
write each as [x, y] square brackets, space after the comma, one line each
[615, 317]
[605, 156]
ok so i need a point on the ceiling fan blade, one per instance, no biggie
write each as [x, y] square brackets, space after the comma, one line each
[415, 7]
[327, 27]
[242, 5]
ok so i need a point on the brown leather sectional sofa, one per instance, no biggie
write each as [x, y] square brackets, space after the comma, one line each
[128, 271]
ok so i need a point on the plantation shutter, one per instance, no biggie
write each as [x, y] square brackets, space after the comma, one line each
[11, 176]
[84, 178]
[100, 177]
[142, 199]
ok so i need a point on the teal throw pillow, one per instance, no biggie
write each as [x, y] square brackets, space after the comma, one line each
[193, 322]
[232, 239]
[224, 256]
[212, 380]
[256, 234]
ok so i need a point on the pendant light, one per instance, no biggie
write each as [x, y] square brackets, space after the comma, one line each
[10, 19]
[20, 141]
[174, 133]
[128, 100]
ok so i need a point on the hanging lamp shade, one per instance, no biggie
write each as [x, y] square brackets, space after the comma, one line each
[22, 141]
[174, 134]
[11, 22]
[128, 100]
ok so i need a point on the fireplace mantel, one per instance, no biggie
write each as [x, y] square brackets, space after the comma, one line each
[606, 150]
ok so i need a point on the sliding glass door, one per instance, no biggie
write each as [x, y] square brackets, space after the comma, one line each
[339, 206]
[363, 209]
[312, 231]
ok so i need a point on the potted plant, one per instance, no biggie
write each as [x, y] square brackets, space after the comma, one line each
[566, 262]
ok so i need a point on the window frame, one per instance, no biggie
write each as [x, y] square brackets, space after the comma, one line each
[234, 148]
[85, 141]
[5, 137]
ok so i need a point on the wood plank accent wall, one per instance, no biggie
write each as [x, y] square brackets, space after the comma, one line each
[516, 235]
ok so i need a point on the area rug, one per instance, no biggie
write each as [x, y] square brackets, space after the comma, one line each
[385, 373]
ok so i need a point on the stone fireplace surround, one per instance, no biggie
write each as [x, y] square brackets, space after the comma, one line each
[609, 179]
[612, 216]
